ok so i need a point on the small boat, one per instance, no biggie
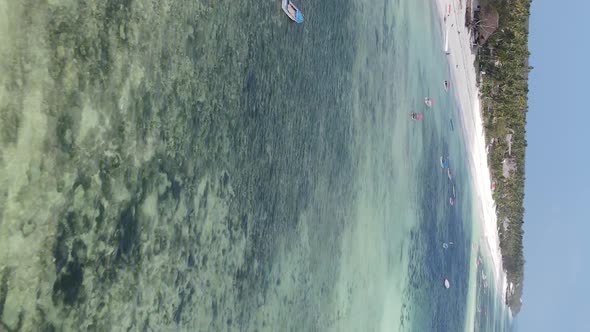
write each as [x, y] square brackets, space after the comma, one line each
[293, 12]
[446, 85]
[429, 102]
[451, 125]
[449, 174]
[447, 51]
[447, 284]
[451, 201]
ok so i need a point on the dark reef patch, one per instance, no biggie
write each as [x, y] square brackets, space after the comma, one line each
[60, 248]
[3, 289]
[127, 234]
[11, 121]
[63, 131]
[67, 286]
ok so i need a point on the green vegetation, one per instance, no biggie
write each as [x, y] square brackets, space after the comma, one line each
[504, 68]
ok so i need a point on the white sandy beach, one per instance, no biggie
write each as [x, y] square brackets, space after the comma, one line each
[463, 75]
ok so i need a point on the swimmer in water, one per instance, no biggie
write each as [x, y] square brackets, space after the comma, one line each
[416, 116]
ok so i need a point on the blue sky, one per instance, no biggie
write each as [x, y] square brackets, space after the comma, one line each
[557, 218]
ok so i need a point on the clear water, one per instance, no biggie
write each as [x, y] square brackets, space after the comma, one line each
[209, 166]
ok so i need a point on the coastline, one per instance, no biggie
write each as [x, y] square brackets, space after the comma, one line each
[463, 74]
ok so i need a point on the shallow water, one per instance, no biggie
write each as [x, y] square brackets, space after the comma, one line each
[212, 166]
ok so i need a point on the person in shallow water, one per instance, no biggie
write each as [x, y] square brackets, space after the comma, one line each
[416, 116]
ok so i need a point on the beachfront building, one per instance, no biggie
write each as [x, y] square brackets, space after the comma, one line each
[485, 22]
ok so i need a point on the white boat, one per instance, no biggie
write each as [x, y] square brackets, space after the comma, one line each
[292, 11]
[447, 52]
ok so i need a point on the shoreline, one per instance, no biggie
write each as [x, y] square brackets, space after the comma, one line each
[462, 72]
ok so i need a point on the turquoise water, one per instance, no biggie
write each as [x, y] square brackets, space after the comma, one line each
[212, 166]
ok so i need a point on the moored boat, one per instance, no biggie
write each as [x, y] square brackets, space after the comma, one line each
[292, 11]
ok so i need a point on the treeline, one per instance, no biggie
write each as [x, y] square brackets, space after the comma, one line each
[504, 67]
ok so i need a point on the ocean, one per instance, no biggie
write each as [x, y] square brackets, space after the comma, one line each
[213, 166]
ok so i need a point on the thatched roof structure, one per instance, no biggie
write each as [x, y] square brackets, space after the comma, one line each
[488, 23]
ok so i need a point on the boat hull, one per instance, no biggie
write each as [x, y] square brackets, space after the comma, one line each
[293, 17]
